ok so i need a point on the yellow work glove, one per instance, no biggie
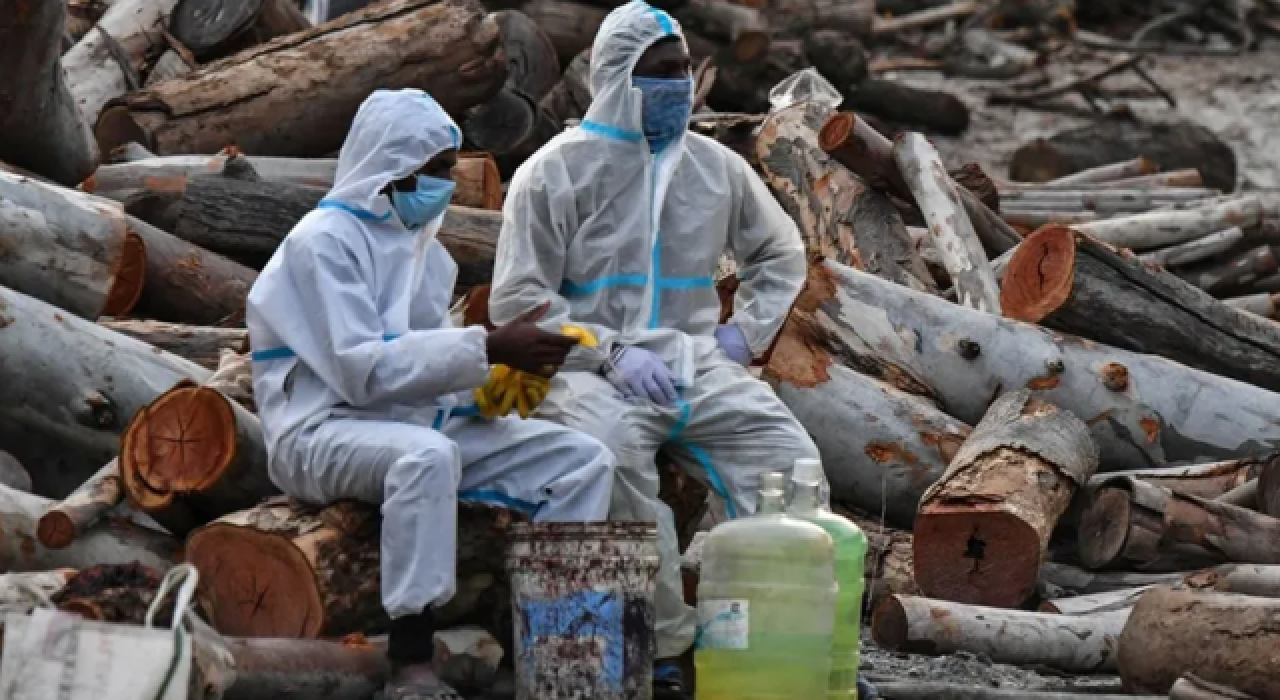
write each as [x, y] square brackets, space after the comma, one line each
[509, 388]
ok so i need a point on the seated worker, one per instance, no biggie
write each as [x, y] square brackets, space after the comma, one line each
[619, 225]
[364, 386]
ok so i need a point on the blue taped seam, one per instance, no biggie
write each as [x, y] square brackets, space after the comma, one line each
[467, 411]
[279, 353]
[700, 456]
[354, 211]
[497, 497]
[457, 139]
[664, 20]
[611, 132]
[391, 336]
[438, 422]
[574, 289]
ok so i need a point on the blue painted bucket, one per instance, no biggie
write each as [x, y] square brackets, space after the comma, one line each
[582, 601]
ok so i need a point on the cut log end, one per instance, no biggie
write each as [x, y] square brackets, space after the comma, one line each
[130, 276]
[980, 556]
[889, 625]
[1041, 274]
[751, 45]
[116, 127]
[1104, 528]
[181, 443]
[255, 584]
[836, 131]
[55, 530]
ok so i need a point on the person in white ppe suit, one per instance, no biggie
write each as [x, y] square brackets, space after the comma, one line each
[619, 224]
[364, 387]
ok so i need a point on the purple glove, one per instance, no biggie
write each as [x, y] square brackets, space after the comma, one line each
[731, 339]
[638, 373]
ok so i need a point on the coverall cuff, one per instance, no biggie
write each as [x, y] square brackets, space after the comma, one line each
[461, 361]
[758, 335]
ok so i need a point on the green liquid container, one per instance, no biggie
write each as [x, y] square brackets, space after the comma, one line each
[809, 503]
[766, 605]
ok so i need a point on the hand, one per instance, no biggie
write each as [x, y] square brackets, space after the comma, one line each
[731, 339]
[638, 373]
[523, 345]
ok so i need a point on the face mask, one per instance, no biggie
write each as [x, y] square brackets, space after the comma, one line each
[667, 105]
[426, 202]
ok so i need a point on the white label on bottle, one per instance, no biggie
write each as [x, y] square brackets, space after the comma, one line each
[723, 624]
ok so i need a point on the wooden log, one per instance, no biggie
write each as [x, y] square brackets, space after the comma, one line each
[512, 126]
[71, 517]
[571, 97]
[115, 541]
[286, 570]
[533, 67]
[1140, 526]
[110, 58]
[1195, 250]
[953, 233]
[1119, 170]
[1108, 203]
[1266, 305]
[188, 284]
[1157, 229]
[1225, 638]
[931, 110]
[925, 18]
[245, 668]
[1242, 273]
[1032, 219]
[1084, 644]
[120, 181]
[41, 129]
[1267, 499]
[264, 100]
[799, 17]
[192, 456]
[838, 56]
[933, 690]
[71, 387]
[744, 88]
[902, 443]
[571, 26]
[1192, 687]
[171, 64]
[1109, 601]
[1143, 410]
[67, 249]
[1170, 146]
[1245, 579]
[82, 15]
[13, 474]
[1245, 495]
[744, 29]
[889, 565]
[1067, 281]
[983, 528]
[214, 29]
[199, 344]
[1204, 480]
[839, 217]
[1185, 177]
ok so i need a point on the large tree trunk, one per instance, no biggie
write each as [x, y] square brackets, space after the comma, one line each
[192, 456]
[1224, 638]
[571, 26]
[285, 570]
[41, 129]
[512, 126]
[881, 448]
[71, 517]
[1075, 644]
[114, 542]
[264, 100]
[533, 66]
[214, 29]
[744, 29]
[570, 97]
[839, 217]
[1135, 525]
[68, 249]
[983, 528]
[188, 284]
[1144, 411]
[71, 387]
[108, 61]
[202, 345]
[1070, 282]
[1169, 146]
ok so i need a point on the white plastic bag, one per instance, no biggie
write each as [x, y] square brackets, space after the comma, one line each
[51, 655]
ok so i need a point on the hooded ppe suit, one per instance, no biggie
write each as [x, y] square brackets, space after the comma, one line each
[364, 387]
[625, 242]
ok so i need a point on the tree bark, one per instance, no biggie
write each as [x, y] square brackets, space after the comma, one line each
[924, 18]
[171, 64]
[839, 56]
[510, 125]
[1192, 687]
[1109, 601]
[1204, 480]
[113, 542]
[570, 97]
[1108, 203]
[188, 284]
[1267, 499]
[1110, 172]
[1144, 527]
[282, 569]
[1224, 638]
[192, 456]
[1265, 304]
[71, 517]
[41, 129]
[1143, 411]
[929, 690]
[930, 110]
[13, 474]
[264, 101]
[120, 181]
[71, 387]
[953, 233]
[533, 66]
[1084, 644]
[744, 29]
[68, 249]
[901, 443]
[1069, 282]
[219, 28]
[983, 528]
[202, 345]
[1195, 250]
[839, 217]
[799, 17]
[1243, 273]
[571, 26]
[237, 668]
[889, 565]
[1245, 579]
[1156, 229]
[1169, 146]
[109, 60]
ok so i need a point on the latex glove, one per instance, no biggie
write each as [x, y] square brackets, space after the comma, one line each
[734, 343]
[638, 373]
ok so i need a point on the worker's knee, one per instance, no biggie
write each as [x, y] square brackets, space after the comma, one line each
[425, 467]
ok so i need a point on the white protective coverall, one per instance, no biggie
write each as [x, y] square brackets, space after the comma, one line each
[363, 385]
[626, 243]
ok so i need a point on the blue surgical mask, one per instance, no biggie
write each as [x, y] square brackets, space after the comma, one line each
[668, 102]
[427, 201]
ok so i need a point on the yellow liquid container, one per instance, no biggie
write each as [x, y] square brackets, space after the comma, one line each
[809, 503]
[766, 605]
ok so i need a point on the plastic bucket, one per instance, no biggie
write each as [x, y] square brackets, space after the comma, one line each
[582, 602]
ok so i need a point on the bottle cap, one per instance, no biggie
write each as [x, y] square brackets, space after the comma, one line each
[808, 471]
[773, 481]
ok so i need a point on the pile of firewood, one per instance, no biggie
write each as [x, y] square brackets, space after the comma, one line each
[1065, 356]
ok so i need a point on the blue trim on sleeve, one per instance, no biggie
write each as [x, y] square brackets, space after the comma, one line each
[611, 132]
[279, 353]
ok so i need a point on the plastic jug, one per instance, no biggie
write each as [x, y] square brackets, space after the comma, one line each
[809, 503]
[766, 605]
